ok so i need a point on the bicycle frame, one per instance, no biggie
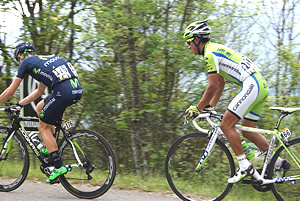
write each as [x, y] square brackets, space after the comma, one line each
[17, 125]
[275, 135]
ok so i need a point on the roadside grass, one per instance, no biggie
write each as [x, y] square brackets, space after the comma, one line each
[159, 184]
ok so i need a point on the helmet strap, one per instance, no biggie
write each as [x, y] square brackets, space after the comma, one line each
[197, 45]
[25, 53]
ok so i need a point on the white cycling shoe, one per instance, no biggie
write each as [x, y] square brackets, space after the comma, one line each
[240, 174]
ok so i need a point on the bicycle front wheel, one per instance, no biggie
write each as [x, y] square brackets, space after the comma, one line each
[99, 165]
[14, 162]
[211, 181]
[287, 189]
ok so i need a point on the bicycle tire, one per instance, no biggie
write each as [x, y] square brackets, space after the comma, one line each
[211, 182]
[14, 169]
[287, 190]
[95, 150]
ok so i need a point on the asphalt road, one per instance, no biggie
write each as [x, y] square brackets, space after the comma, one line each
[38, 191]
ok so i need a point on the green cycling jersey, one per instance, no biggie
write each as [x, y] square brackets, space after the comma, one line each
[228, 63]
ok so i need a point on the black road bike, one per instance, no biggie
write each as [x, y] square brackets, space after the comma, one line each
[87, 155]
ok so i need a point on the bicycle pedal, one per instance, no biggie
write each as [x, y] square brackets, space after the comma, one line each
[69, 167]
[55, 181]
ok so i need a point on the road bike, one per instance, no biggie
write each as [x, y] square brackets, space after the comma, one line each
[198, 164]
[87, 155]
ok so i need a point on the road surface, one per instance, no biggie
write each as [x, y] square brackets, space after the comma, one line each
[38, 191]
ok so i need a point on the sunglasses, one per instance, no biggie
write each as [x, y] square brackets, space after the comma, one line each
[188, 41]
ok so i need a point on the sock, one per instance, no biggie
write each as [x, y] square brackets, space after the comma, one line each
[55, 159]
[243, 161]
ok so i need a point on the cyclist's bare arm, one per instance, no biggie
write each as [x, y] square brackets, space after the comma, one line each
[210, 92]
[34, 95]
[9, 92]
[218, 93]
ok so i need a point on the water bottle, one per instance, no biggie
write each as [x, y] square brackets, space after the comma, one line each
[36, 140]
[247, 150]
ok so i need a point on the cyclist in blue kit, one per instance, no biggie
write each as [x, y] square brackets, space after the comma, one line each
[58, 75]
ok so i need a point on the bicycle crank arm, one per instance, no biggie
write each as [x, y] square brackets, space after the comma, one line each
[250, 181]
[73, 166]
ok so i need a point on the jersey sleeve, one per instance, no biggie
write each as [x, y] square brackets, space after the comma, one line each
[22, 70]
[211, 65]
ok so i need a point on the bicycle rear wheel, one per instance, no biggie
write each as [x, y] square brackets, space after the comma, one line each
[14, 162]
[210, 182]
[99, 170]
[286, 190]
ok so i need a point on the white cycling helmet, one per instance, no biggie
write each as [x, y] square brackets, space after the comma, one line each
[197, 28]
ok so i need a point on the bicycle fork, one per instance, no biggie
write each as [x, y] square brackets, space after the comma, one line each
[7, 147]
[209, 148]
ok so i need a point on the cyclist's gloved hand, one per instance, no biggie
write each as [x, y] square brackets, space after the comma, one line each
[16, 105]
[192, 112]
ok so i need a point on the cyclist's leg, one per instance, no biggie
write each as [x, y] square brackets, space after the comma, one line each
[235, 111]
[245, 167]
[228, 127]
[259, 140]
[237, 108]
[46, 109]
[52, 110]
[47, 135]
[64, 94]
[39, 108]
[253, 113]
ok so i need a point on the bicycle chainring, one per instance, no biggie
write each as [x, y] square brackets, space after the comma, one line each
[263, 187]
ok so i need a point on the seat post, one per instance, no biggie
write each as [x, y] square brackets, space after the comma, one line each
[283, 114]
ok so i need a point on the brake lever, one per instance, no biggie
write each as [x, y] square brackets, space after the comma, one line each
[186, 121]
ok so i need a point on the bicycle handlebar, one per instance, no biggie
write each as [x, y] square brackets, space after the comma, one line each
[10, 109]
[204, 115]
[207, 115]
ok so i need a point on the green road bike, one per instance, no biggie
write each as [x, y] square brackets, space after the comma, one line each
[198, 164]
[87, 155]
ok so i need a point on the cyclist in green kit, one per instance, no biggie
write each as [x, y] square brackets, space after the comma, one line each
[224, 63]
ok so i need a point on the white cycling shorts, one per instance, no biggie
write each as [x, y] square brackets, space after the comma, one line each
[249, 101]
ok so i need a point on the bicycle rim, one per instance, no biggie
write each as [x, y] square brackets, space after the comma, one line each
[14, 169]
[97, 155]
[209, 183]
[286, 190]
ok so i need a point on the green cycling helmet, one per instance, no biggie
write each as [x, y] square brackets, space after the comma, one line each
[198, 28]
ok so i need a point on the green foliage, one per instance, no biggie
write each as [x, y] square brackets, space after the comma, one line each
[136, 71]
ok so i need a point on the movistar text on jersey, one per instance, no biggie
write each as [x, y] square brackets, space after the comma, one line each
[51, 61]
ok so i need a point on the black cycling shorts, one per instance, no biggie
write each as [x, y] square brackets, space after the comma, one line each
[64, 94]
